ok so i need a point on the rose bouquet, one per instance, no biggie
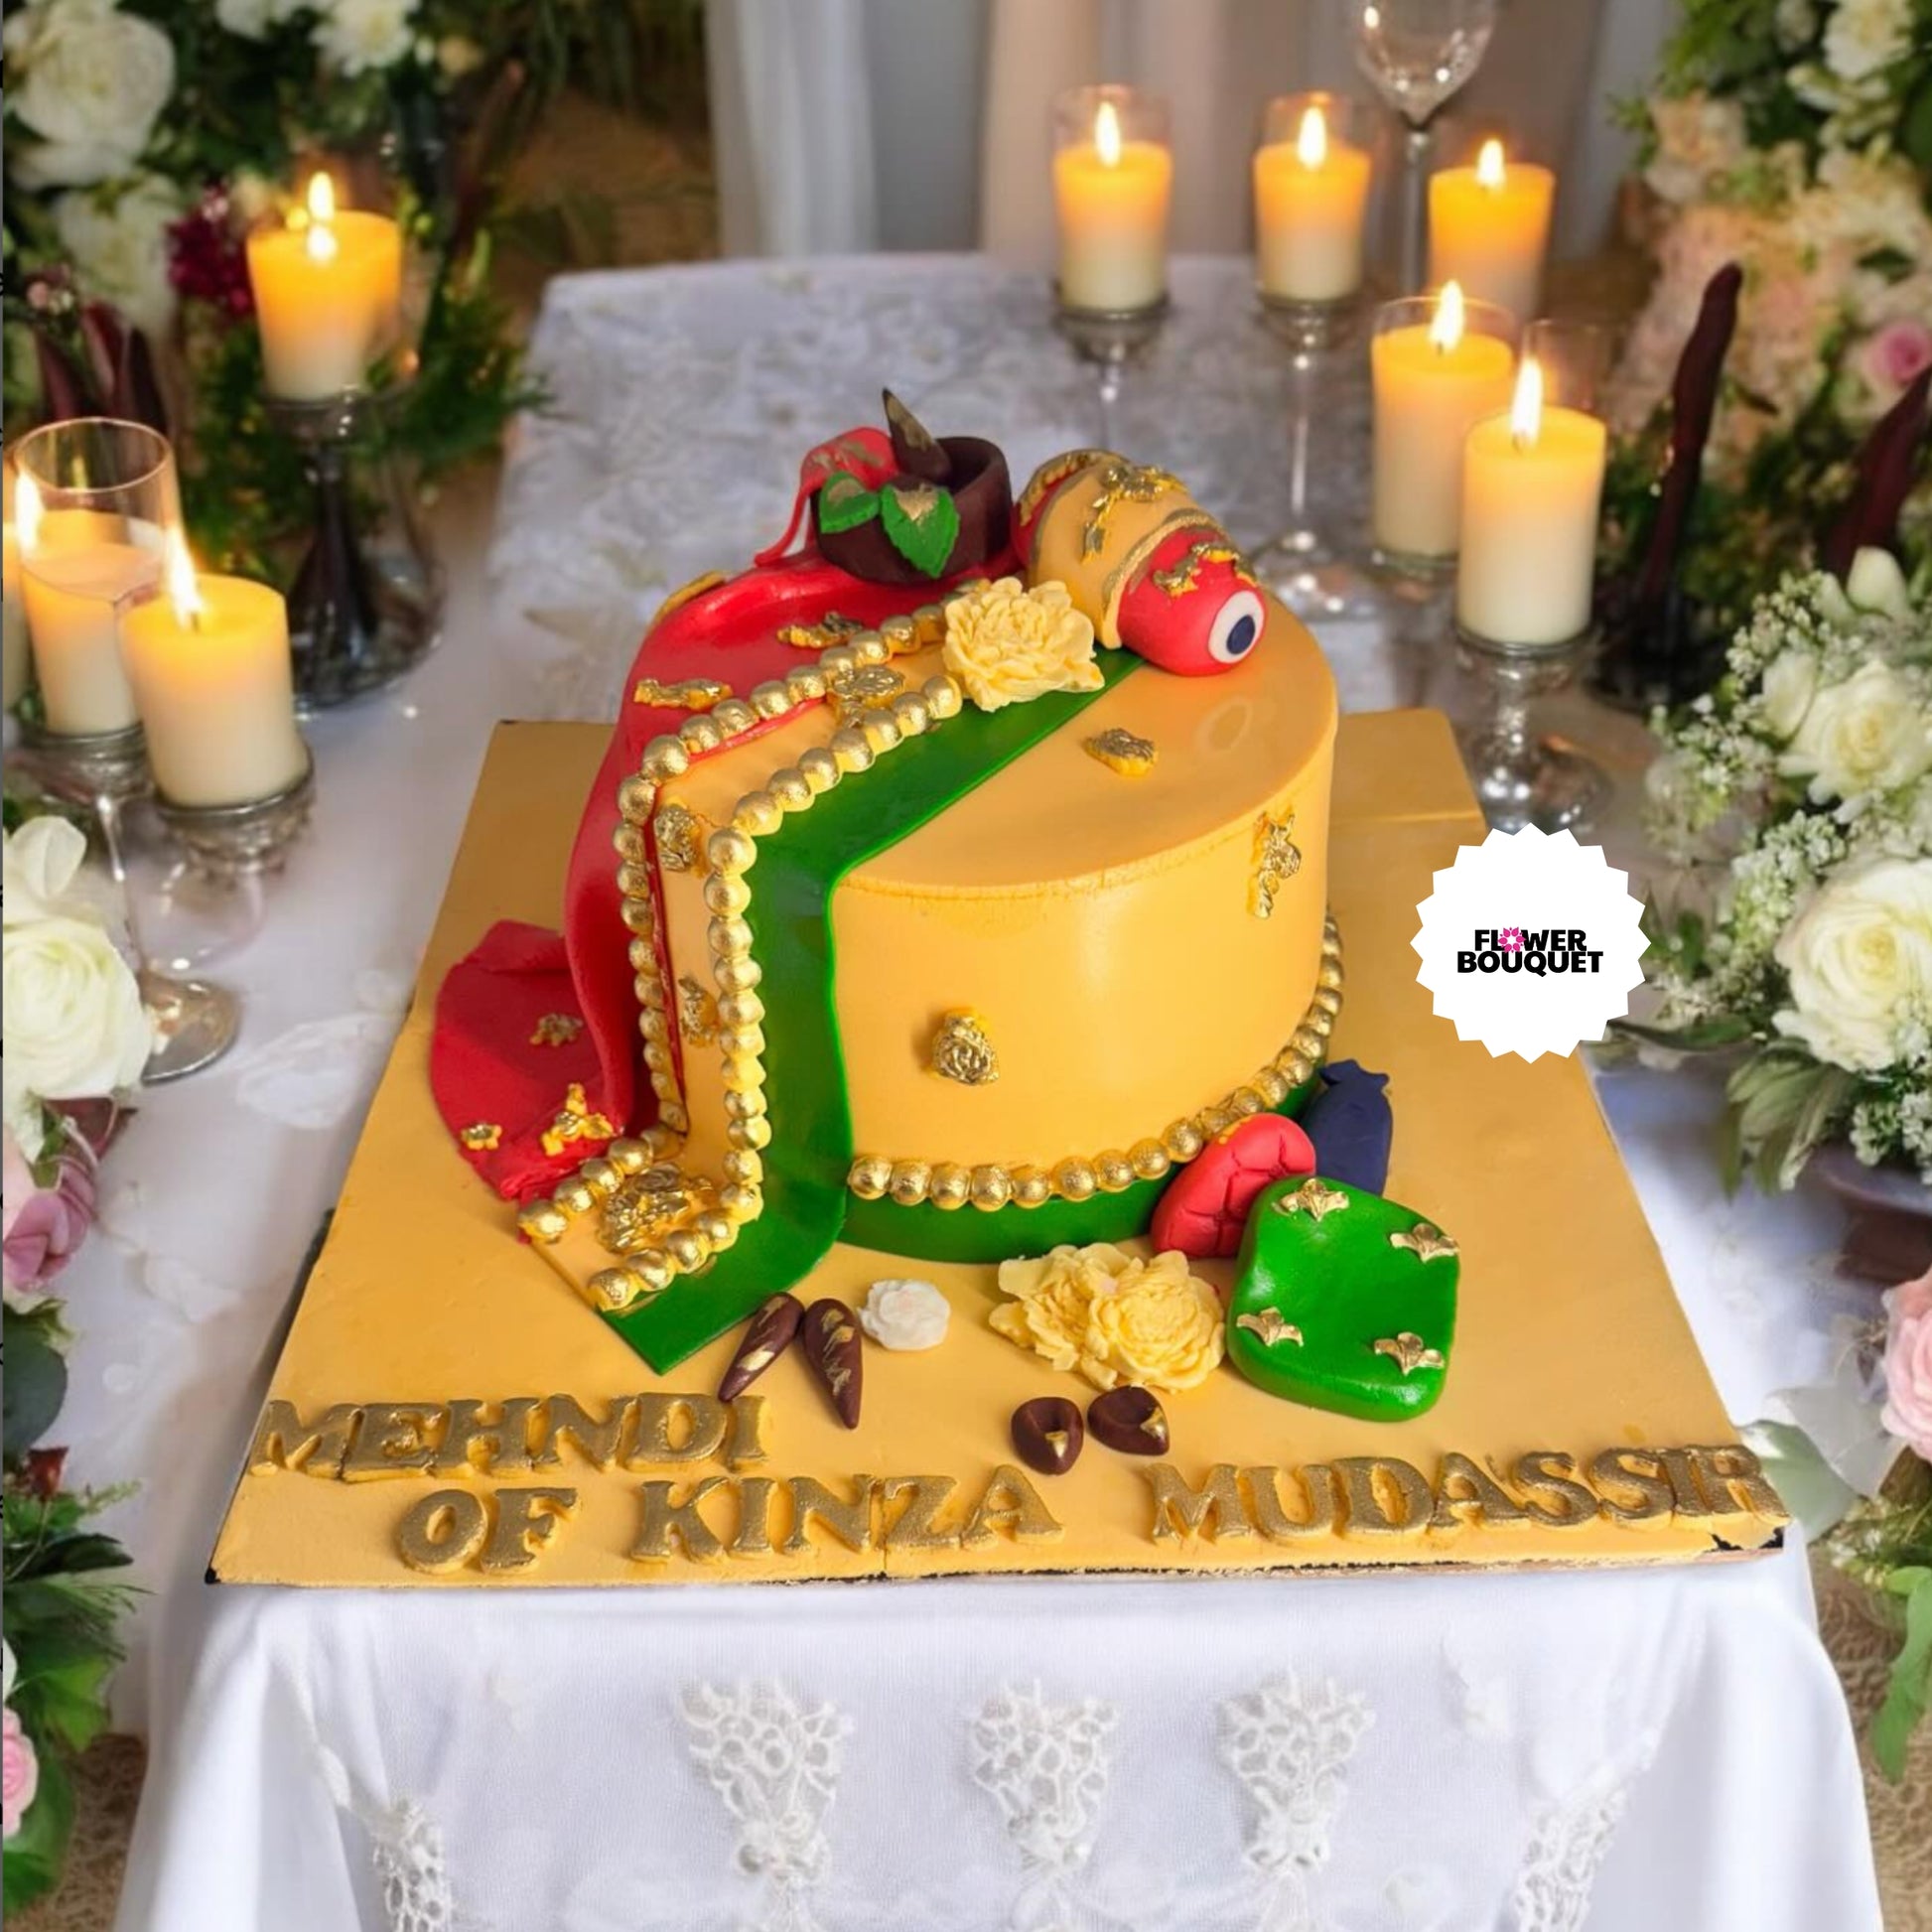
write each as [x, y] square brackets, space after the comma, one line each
[75, 1039]
[1854, 1464]
[1797, 799]
[1795, 139]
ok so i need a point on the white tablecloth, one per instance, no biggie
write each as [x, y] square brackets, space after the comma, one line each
[1539, 1753]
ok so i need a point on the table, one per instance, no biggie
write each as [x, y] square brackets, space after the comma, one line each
[1542, 1753]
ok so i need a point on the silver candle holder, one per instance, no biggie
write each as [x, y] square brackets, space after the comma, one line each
[228, 844]
[195, 1021]
[1521, 778]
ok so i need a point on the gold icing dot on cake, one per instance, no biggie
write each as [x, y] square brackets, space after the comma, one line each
[1120, 751]
[963, 1051]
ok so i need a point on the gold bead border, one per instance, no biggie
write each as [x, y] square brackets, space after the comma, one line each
[730, 854]
[952, 1185]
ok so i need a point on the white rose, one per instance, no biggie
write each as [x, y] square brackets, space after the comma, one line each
[93, 82]
[40, 863]
[119, 248]
[252, 19]
[1790, 681]
[1858, 959]
[1875, 582]
[1868, 734]
[73, 1023]
[905, 1315]
[358, 36]
[1864, 36]
[1796, 21]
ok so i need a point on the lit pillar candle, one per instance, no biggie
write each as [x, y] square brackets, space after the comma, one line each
[1489, 229]
[210, 666]
[13, 667]
[1309, 194]
[328, 291]
[1532, 488]
[76, 565]
[1112, 195]
[1433, 381]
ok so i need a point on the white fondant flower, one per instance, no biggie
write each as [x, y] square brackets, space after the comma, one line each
[905, 1315]
[119, 245]
[360, 36]
[90, 81]
[1858, 959]
[1868, 734]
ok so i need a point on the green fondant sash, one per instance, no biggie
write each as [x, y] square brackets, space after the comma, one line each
[798, 869]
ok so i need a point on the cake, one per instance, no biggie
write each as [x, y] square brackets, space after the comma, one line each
[913, 1076]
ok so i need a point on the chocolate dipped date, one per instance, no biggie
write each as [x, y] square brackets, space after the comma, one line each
[1047, 1433]
[1129, 1419]
[830, 1334]
[767, 1336]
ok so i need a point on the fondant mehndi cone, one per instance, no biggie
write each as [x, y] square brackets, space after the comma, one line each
[1344, 1301]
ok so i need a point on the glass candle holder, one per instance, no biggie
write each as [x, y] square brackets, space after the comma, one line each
[94, 501]
[1312, 175]
[1489, 227]
[1438, 366]
[1577, 355]
[1113, 183]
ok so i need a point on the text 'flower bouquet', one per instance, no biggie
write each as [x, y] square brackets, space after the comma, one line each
[1798, 797]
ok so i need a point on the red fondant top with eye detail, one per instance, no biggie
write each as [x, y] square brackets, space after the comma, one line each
[1205, 1210]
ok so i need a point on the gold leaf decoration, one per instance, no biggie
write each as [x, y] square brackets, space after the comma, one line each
[1269, 1325]
[676, 829]
[963, 1051]
[556, 1030]
[650, 1204]
[830, 630]
[1426, 1241]
[1121, 482]
[864, 688]
[1313, 1200]
[687, 694]
[1409, 1353]
[1277, 859]
[697, 1010]
[1185, 575]
[1120, 751]
[576, 1121]
[484, 1138]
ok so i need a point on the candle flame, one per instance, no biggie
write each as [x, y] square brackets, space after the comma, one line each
[1526, 408]
[1106, 134]
[1446, 330]
[183, 592]
[318, 216]
[1311, 144]
[27, 515]
[1489, 165]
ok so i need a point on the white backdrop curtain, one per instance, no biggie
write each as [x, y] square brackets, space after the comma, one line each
[849, 125]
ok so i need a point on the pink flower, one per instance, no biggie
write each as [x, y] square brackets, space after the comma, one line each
[1510, 938]
[20, 1772]
[1908, 1364]
[44, 1226]
[1894, 354]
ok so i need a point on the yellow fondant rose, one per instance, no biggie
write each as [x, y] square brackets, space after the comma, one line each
[1112, 1318]
[1007, 645]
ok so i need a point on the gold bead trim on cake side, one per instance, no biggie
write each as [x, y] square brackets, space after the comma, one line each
[949, 1183]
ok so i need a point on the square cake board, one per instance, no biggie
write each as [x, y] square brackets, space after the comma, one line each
[1570, 1336]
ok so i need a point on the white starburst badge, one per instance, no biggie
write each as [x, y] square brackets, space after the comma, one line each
[1530, 944]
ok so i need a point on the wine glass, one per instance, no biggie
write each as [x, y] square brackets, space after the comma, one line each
[93, 504]
[1312, 174]
[1420, 54]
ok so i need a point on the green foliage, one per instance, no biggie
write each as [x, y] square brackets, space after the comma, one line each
[36, 1380]
[1908, 1690]
[844, 502]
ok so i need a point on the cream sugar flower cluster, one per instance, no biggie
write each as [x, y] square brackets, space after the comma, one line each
[1800, 793]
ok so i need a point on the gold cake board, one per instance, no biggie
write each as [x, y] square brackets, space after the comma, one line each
[1570, 1337]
